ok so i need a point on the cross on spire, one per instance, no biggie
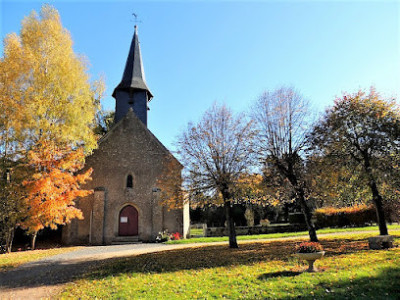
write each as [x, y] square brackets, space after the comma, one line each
[136, 19]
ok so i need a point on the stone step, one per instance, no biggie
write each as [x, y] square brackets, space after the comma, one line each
[126, 240]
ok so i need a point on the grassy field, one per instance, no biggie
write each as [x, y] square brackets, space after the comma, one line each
[14, 259]
[256, 270]
[279, 235]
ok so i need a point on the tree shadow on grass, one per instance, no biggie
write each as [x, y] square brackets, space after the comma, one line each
[214, 256]
[199, 257]
[267, 276]
[46, 273]
[382, 286]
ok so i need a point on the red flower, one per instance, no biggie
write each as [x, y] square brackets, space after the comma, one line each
[308, 247]
[175, 236]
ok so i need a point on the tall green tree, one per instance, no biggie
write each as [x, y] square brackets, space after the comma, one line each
[362, 130]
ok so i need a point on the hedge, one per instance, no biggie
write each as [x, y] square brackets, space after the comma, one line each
[358, 215]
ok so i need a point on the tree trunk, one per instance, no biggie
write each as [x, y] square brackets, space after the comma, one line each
[303, 204]
[9, 240]
[33, 240]
[377, 198]
[380, 213]
[307, 216]
[231, 225]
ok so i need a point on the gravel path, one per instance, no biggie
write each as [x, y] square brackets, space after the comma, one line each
[45, 278]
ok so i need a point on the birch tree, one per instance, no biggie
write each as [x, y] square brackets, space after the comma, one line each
[50, 101]
[12, 124]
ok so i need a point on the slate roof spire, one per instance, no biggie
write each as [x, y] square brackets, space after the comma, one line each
[133, 77]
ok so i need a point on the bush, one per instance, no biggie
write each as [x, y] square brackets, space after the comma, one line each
[297, 218]
[358, 215]
[392, 211]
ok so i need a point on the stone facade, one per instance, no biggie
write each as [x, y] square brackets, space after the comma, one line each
[126, 168]
[128, 149]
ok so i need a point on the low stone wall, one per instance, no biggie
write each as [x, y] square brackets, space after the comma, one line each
[258, 229]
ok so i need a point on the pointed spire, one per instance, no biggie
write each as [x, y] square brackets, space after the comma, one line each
[133, 77]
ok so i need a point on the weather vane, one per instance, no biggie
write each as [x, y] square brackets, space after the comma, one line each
[136, 19]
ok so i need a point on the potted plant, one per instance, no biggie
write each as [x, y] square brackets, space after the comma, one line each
[310, 251]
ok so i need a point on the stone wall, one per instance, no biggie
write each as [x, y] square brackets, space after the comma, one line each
[258, 229]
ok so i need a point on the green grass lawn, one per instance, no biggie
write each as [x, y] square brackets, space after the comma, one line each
[256, 270]
[14, 259]
[196, 231]
[279, 235]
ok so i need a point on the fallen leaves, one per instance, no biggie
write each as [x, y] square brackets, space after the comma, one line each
[254, 271]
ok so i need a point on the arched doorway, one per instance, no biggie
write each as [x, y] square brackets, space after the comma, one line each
[128, 221]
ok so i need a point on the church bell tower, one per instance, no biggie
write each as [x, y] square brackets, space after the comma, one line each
[132, 92]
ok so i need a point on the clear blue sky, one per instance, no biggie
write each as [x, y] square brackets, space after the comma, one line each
[198, 52]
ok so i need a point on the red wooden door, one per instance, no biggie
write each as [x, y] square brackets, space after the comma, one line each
[128, 221]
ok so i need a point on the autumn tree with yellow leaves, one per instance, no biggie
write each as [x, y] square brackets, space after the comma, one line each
[12, 123]
[361, 132]
[48, 116]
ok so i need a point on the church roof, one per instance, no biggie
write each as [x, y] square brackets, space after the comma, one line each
[133, 77]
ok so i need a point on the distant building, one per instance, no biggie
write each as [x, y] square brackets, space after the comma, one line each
[126, 167]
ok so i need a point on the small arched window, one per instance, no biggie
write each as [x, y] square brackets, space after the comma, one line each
[129, 181]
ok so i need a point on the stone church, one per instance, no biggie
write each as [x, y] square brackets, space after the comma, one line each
[126, 168]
